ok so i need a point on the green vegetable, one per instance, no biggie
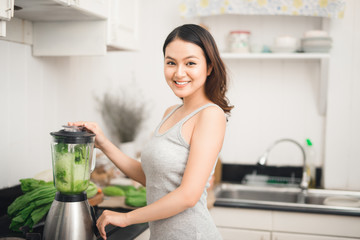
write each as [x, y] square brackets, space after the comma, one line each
[29, 208]
[91, 190]
[126, 188]
[30, 184]
[133, 197]
[136, 198]
[61, 147]
[113, 191]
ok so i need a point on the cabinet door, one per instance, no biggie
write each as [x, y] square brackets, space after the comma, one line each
[6, 9]
[235, 234]
[93, 7]
[123, 25]
[6, 13]
[292, 236]
[242, 218]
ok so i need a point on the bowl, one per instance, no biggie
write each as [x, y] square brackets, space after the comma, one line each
[315, 33]
[285, 42]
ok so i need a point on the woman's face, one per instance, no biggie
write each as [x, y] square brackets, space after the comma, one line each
[185, 68]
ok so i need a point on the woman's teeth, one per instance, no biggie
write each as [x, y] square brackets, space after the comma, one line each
[181, 83]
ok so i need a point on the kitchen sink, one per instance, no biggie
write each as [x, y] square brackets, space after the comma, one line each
[288, 199]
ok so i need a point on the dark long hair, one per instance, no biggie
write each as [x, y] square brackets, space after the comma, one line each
[216, 82]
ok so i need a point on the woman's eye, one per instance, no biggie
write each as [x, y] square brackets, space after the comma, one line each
[191, 63]
[170, 63]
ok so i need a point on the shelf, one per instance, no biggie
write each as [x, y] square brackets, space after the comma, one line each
[275, 56]
[322, 57]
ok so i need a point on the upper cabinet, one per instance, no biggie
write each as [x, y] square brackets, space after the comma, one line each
[6, 13]
[123, 25]
[77, 27]
[6, 9]
[61, 10]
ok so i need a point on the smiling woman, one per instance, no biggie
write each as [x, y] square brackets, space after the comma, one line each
[200, 55]
[179, 160]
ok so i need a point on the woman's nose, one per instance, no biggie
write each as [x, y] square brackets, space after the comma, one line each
[180, 72]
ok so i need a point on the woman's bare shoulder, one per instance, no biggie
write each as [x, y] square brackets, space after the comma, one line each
[212, 114]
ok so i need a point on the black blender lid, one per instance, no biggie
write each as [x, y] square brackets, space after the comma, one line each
[73, 135]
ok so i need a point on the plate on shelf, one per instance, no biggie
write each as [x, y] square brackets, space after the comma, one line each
[316, 49]
[283, 50]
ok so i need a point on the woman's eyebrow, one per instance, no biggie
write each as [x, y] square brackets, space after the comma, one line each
[191, 56]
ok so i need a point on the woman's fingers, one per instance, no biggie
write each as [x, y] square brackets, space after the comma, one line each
[94, 128]
[101, 224]
[88, 125]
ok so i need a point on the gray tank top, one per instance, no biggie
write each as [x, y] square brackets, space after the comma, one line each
[164, 160]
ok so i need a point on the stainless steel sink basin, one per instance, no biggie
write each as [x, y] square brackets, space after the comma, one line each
[288, 199]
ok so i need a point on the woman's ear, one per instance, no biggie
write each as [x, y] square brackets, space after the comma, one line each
[209, 70]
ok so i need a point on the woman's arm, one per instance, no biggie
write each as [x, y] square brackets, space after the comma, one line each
[130, 167]
[206, 143]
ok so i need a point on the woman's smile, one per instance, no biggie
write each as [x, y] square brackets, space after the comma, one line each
[181, 84]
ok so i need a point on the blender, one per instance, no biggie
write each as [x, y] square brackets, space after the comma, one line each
[70, 216]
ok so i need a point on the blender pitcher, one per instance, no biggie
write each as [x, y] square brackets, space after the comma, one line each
[72, 156]
[70, 216]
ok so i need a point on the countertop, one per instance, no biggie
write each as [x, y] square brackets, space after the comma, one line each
[127, 233]
[7, 196]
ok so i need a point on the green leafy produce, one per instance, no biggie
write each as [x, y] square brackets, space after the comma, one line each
[30, 184]
[91, 190]
[126, 188]
[29, 208]
[133, 197]
[61, 147]
[136, 198]
[113, 191]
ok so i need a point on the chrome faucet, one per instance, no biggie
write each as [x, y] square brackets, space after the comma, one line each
[305, 179]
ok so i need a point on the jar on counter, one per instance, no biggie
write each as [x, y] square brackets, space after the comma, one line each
[239, 41]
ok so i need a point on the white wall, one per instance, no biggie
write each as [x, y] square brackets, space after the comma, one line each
[342, 151]
[272, 98]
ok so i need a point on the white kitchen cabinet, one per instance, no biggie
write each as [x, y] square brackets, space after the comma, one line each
[242, 223]
[6, 13]
[292, 236]
[6, 9]
[236, 223]
[122, 33]
[69, 38]
[94, 7]
[66, 27]
[233, 234]
[62, 10]
[317, 224]
[79, 27]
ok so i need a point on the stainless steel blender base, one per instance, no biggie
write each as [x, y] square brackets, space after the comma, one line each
[69, 221]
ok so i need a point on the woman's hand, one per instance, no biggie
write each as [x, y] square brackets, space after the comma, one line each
[93, 127]
[113, 218]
